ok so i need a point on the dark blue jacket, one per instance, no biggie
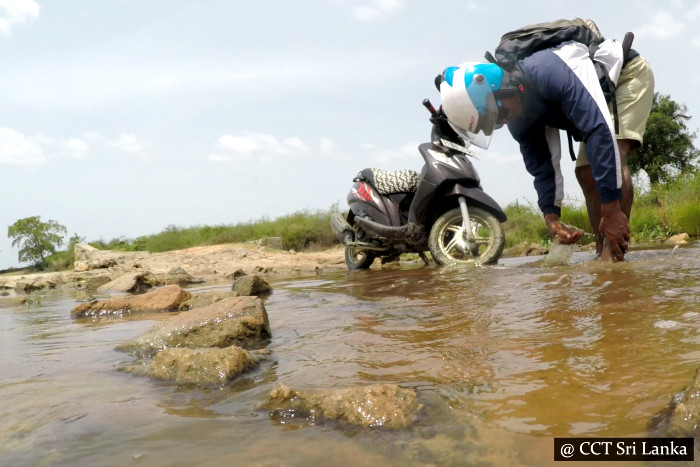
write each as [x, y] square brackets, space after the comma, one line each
[562, 92]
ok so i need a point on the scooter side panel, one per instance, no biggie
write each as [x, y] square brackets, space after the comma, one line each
[364, 200]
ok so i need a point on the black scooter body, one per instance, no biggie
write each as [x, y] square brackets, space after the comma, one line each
[392, 223]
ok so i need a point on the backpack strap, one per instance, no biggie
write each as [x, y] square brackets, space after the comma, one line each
[609, 88]
[571, 145]
[515, 74]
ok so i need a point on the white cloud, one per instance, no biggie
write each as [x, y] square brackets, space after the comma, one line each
[126, 142]
[14, 12]
[262, 145]
[239, 144]
[694, 13]
[19, 149]
[327, 146]
[219, 158]
[663, 26]
[376, 9]
[296, 144]
[16, 148]
[72, 148]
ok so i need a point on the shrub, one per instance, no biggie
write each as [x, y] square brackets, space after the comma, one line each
[524, 225]
[576, 216]
[686, 218]
[298, 231]
[647, 223]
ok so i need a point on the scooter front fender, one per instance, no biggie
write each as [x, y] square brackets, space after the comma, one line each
[479, 198]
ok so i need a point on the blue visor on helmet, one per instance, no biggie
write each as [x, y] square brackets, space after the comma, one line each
[481, 81]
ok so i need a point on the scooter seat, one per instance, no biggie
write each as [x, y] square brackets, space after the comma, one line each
[390, 181]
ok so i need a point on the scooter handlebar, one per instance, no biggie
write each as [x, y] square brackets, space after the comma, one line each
[429, 106]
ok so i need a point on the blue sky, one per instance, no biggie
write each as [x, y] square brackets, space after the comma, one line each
[122, 117]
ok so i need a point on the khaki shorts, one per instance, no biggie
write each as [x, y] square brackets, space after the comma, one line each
[635, 94]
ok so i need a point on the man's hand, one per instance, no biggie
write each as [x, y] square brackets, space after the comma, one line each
[566, 234]
[615, 228]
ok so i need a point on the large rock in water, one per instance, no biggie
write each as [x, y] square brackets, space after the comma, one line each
[680, 239]
[236, 321]
[378, 406]
[682, 419]
[167, 298]
[203, 299]
[251, 285]
[132, 282]
[201, 366]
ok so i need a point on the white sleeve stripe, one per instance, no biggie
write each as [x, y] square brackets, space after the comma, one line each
[576, 56]
[554, 143]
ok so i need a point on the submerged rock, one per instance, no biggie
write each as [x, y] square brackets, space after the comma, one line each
[682, 419]
[167, 298]
[235, 321]
[251, 285]
[201, 366]
[385, 406]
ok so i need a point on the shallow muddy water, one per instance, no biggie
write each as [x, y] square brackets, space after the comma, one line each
[503, 359]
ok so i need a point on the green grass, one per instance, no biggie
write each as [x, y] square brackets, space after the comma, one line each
[524, 224]
[687, 218]
[576, 216]
[302, 230]
[667, 210]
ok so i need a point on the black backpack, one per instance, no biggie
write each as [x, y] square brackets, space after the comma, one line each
[521, 43]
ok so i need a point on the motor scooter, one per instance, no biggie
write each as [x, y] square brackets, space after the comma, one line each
[443, 209]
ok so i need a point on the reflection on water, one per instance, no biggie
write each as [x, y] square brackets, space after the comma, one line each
[503, 358]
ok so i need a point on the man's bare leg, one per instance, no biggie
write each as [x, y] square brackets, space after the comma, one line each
[590, 193]
[592, 197]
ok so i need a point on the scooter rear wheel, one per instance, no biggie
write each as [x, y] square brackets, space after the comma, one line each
[356, 258]
[449, 245]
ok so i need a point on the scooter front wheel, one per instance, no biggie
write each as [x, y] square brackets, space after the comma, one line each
[356, 258]
[450, 243]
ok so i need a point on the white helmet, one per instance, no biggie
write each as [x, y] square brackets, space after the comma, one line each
[467, 94]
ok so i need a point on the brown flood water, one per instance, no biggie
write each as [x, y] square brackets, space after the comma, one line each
[503, 358]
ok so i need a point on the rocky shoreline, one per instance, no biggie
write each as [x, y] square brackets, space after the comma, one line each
[213, 264]
[209, 338]
[206, 265]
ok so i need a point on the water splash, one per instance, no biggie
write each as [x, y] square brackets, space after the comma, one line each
[559, 255]
[666, 324]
